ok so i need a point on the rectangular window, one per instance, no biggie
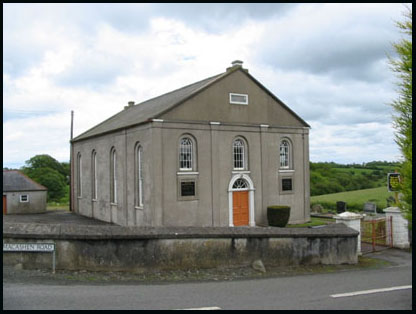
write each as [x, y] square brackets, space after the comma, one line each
[79, 176]
[286, 184]
[94, 175]
[238, 154]
[185, 156]
[284, 156]
[113, 177]
[239, 99]
[139, 177]
[188, 188]
[24, 198]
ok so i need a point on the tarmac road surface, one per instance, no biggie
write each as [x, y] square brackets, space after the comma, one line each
[382, 288]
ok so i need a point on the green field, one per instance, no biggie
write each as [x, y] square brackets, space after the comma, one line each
[355, 199]
[378, 176]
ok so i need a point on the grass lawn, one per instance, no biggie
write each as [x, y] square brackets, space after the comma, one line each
[355, 199]
[314, 222]
[57, 206]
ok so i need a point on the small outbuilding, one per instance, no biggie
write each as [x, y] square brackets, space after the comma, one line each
[22, 195]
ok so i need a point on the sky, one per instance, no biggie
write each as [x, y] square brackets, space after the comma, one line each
[327, 62]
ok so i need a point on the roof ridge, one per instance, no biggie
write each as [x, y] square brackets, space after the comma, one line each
[178, 89]
[208, 80]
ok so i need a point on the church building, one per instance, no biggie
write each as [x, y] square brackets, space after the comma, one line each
[213, 153]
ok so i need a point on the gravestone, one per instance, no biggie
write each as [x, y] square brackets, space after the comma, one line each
[370, 208]
[317, 208]
[341, 207]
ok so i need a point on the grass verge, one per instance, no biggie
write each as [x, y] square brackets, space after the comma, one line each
[313, 223]
[355, 199]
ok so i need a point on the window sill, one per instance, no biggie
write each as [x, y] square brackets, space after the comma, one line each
[188, 198]
[286, 170]
[187, 172]
[138, 207]
[236, 171]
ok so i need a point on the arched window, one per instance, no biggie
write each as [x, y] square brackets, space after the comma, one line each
[79, 175]
[239, 155]
[240, 184]
[94, 175]
[113, 176]
[186, 152]
[285, 154]
[139, 176]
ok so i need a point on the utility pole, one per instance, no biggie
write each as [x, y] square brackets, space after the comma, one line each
[70, 163]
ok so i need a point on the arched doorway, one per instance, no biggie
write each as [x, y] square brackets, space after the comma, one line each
[241, 201]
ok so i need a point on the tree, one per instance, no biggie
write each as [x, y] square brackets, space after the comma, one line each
[402, 106]
[46, 161]
[52, 179]
[49, 172]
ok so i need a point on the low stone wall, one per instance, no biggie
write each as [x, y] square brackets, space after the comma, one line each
[115, 248]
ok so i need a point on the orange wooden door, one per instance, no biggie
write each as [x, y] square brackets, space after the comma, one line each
[4, 204]
[240, 208]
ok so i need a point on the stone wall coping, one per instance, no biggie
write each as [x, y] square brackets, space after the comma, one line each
[105, 232]
[348, 216]
[392, 210]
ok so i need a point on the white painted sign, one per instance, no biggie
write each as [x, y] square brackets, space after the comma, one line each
[32, 247]
[29, 247]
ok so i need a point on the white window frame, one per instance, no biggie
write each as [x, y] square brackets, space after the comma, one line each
[238, 102]
[139, 176]
[27, 198]
[284, 155]
[113, 171]
[94, 175]
[241, 154]
[79, 175]
[186, 149]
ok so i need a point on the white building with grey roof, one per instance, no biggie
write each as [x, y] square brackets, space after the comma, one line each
[22, 195]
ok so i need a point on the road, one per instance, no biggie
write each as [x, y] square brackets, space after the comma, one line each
[309, 292]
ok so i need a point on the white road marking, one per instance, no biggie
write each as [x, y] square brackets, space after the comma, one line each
[203, 308]
[351, 294]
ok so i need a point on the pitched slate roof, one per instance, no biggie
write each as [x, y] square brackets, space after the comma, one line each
[148, 109]
[14, 181]
[155, 107]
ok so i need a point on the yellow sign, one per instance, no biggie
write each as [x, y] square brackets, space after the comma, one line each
[393, 182]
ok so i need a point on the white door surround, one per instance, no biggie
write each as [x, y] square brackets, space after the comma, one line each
[251, 190]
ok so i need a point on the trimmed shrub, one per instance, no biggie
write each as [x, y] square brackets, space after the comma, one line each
[278, 215]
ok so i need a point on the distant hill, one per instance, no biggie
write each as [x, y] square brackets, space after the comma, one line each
[330, 177]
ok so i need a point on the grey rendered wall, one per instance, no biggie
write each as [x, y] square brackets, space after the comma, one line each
[123, 212]
[162, 207]
[36, 204]
[214, 172]
[213, 104]
[160, 141]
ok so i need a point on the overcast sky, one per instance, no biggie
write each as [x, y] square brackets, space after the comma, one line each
[327, 62]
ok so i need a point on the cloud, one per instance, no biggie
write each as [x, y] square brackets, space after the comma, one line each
[346, 143]
[327, 62]
[342, 40]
